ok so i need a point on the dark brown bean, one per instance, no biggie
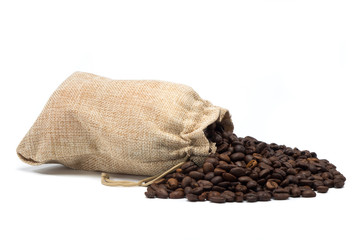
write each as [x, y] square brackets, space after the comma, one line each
[281, 196]
[251, 197]
[177, 194]
[271, 184]
[161, 193]
[229, 177]
[196, 175]
[208, 167]
[237, 156]
[217, 199]
[264, 196]
[172, 183]
[186, 181]
[192, 197]
[322, 189]
[308, 193]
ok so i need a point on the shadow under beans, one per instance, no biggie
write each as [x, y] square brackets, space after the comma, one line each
[60, 170]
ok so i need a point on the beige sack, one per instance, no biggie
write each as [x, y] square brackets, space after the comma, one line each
[138, 127]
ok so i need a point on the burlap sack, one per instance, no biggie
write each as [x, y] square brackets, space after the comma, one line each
[137, 127]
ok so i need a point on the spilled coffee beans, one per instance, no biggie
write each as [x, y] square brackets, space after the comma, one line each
[245, 169]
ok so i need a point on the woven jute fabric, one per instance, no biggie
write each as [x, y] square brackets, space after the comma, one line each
[140, 127]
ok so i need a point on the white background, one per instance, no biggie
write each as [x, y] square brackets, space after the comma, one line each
[288, 71]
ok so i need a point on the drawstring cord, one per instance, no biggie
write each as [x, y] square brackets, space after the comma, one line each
[105, 179]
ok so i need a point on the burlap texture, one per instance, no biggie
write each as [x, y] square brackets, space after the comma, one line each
[140, 127]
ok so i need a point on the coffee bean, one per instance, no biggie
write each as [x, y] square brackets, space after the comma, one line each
[264, 196]
[187, 190]
[239, 148]
[295, 192]
[308, 193]
[237, 156]
[251, 197]
[192, 197]
[196, 175]
[237, 171]
[209, 176]
[281, 196]
[186, 181]
[213, 194]
[216, 180]
[176, 194]
[338, 183]
[251, 184]
[229, 196]
[224, 157]
[150, 193]
[217, 199]
[219, 171]
[172, 183]
[161, 193]
[244, 179]
[264, 173]
[271, 184]
[212, 160]
[229, 177]
[218, 188]
[207, 185]
[322, 189]
[203, 196]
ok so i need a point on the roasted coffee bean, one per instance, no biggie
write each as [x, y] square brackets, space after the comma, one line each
[217, 199]
[229, 177]
[161, 193]
[295, 192]
[260, 147]
[219, 171]
[264, 196]
[218, 188]
[308, 193]
[187, 190]
[239, 148]
[251, 197]
[216, 180]
[271, 184]
[211, 160]
[329, 183]
[224, 157]
[209, 176]
[244, 179]
[197, 190]
[237, 171]
[176, 194]
[186, 181]
[203, 196]
[172, 183]
[188, 166]
[213, 194]
[322, 189]
[208, 167]
[150, 193]
[196, 175]
[192, 197]
[207, 185]
[229, 196]
[338, 183]
[264, 173]
[251, 184]
[281, 196]
[237, 156]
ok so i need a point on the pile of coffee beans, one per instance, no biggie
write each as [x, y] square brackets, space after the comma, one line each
[245, 169]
